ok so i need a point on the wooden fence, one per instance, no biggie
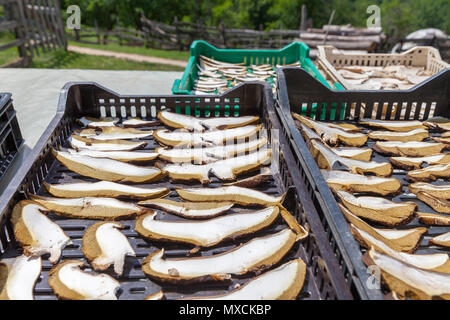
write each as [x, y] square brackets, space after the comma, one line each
[180, 35]
[36, 25]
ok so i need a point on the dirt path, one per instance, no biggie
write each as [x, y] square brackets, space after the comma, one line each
[127, 56]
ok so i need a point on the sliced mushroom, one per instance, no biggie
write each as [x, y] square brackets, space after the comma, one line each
[438, 191]
[398, 126]
[91, 122]
[380, 210]
[341, 180]
[433, 219]
[442, 240]
[18, 277]
[257, 254]
[408, 163]
[413, 135]
[114, 133]
[430, 173]
[440, 205]
[80, 143]
[408, 149]
[124, 156]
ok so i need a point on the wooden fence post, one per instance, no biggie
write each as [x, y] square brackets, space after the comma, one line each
[97, 32]
[223, 34]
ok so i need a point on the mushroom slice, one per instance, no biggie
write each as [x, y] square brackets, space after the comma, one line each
[408, 163]
[442, 240]
[408, 280]
[438, 262]
[430, 173]
[341, 180]
[114, 133]
[207, 139]
[226, 169]
[103, 189]
[191, 210]
[377, 209]
[363, 154]
[68, 281]
[36, 233]
[107, 169]
[333, 135]
[253, 181]
[398, 126]
[90, 207]
[441, 126]
[405, 240]
[413, 135]
[210, 154]
[440, 205]
[446, 134]
[255, 255]
[444, 140]
[238, 195]
[137, 123]
[282, 283]
[438, 191]
[327, 159]
[97, 123]
[79, 143]
[191, 123]
[105, 245]
[408, 149]
[155, 296]
[124, 156]
[433, 219]
[206, 233]
[18, 277]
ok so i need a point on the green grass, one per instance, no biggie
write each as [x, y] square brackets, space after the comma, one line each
[168, 54]
[61, 59]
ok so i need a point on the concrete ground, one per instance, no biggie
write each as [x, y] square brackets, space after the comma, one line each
[35, 94]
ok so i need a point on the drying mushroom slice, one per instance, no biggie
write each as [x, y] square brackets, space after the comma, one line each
[107, 169]
[206, 233]
[253, 181]
[408, 280]
[332, 134]
[438, 262]
[18, 277]
[441, 126]
[433, 219]
[238, 195]
[408, 163]
[226, 169]
[114, 133]
[442, 240]
[36, 233]
[446, 134]
[103, 189]
[379, 210]
[207, 139]
[438, 191]
[327, 159]
[362, 154]
[124, 156]
[97, 123]
[137, 123]
[155, 296]
[444, 140]
[414, 135]
[398, 126]
[68, 281]
[404, 240]
[282, 283]
[307, 133]
[191, 123]
[105, 245]
[430, 173]
[211, 154]
[90, 207]
[440, 205]
[341, 180]
[191, 210]
[255, 255]
[408, 149]
[80, 143]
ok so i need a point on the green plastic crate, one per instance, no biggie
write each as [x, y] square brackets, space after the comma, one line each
[296, 51]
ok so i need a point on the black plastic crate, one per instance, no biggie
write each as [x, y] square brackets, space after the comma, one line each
[297, 92]
[325, 279]
[10, 136]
